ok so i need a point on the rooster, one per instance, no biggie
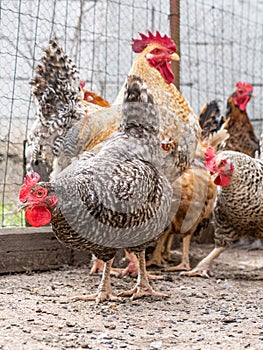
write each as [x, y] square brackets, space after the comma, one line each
[67, 125]
[239, 203]
[62, 112]
[117, 198]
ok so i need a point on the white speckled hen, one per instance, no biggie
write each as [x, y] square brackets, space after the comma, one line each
[239, 204]
[118, 198]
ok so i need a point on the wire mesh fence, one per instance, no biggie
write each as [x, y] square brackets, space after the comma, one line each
[221, 42]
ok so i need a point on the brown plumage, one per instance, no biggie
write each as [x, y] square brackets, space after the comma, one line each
[92, 97]
[241, 133]
[239, 203]
[117, 198]
[196, 194]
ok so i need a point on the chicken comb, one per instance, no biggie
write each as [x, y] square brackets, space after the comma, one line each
[29, 182]
[244, 86]
[140, 44]
[209, 159]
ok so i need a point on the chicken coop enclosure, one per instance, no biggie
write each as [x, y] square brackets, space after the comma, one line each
[219, 43]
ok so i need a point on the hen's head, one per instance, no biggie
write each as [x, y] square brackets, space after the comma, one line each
[220, 167]
[242, 95]
[158, 51]
[36, 201]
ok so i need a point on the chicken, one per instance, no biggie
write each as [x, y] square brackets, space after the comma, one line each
[241, 134]
[59, 133]
[67, 125]
[197, 194]
[117, 198]
[239, 204]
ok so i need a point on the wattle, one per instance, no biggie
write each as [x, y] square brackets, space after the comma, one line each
[166, 70]
[38, 216]
[242, 103]
[222, 180]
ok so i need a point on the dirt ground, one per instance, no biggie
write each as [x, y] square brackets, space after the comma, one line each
[223, 312]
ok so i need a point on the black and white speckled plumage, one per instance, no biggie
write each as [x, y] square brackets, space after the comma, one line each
[118, 198]
[56, 90]
[239, 206]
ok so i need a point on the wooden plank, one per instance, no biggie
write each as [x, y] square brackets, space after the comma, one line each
[31, 249]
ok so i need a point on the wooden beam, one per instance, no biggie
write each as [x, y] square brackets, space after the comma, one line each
[175, 35]
[31, 249]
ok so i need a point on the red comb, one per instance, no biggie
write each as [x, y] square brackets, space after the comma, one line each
[209, 159]
[29, 182]
[82, 84]
[140, 44]
[244, 86]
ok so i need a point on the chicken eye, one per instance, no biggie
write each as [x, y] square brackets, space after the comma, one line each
[156, 51]
[40, 193]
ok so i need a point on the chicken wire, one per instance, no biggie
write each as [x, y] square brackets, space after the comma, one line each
[221, 43]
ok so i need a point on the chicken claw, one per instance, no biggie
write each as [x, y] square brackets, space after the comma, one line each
[104, 291]
[98, 297]
[182, 266]
[142, 287]
[197, 271]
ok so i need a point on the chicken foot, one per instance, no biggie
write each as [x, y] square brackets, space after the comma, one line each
[142, 287]
[98, 267]
[104, 291]
[202, 269]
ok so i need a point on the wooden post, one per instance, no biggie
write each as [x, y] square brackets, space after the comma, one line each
[175, 35]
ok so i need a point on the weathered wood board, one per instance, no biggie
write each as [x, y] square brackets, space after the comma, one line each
[31, 249]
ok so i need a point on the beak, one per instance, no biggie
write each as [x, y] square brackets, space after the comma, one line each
[250, 94]
[213, 177]
[175, 57]
[21, 206]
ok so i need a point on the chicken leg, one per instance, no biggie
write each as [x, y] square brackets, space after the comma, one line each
[202, 269]
[185, 263]
[104, 291]
[156, 258]
[142, 287]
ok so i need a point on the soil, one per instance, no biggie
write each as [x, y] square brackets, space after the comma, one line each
[223, 312]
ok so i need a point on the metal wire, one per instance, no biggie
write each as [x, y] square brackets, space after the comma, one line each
[220, 44]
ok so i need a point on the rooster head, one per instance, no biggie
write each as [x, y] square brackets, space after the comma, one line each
[158, 51]
[220, 167]
[242, 95]
[34, 199]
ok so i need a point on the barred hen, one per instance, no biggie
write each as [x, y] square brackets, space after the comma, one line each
[239, 204]
[118, 198]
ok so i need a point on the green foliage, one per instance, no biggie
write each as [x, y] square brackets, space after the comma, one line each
[9, 217]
